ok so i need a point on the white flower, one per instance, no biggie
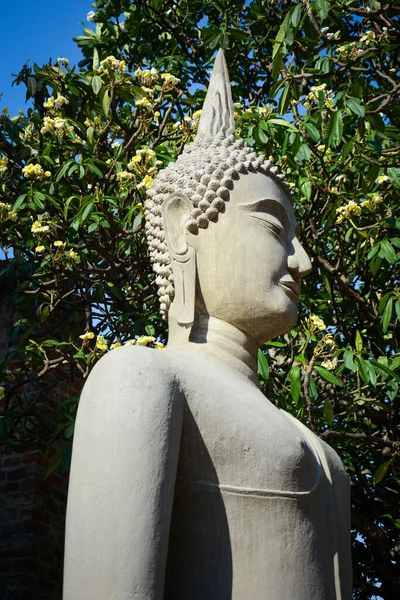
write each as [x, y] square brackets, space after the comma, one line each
[115, 143]
[90, 16]
[330, 364]
[88, 335]
[382, 179]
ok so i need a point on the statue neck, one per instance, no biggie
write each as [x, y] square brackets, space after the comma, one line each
[219, 340]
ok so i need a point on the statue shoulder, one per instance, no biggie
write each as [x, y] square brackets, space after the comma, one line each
[135, 363]
[134, 376]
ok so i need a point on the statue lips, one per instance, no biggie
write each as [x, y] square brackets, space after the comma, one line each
[290, 286]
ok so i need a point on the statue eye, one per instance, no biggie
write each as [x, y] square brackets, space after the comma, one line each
[272, 224]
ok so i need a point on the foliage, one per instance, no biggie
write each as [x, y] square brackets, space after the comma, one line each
[316, 86]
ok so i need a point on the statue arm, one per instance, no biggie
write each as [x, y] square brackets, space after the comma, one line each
[124, 464]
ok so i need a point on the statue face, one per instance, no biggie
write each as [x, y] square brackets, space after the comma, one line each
[250, 263]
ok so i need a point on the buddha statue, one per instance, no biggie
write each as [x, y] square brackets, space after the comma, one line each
[186, 482]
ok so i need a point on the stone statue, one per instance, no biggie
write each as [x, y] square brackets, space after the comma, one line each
[186, 482]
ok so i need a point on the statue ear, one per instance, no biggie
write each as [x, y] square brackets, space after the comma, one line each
[176, 212]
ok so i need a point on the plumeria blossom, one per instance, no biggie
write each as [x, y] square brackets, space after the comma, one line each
[315, 323]
[37, 172]
[143, 340]
[7, 212]
[147, 76]
[3, 164]
[382, 179]
[39, 227]
[88, 335]
[144, 102]
[350, 210]
[169, 80]
[373, 202]
[101, 344]
[330, 364]
[368, 37]
[115, 345]
[55, 102]
[125, 177]
[146, 183]
[111, 64]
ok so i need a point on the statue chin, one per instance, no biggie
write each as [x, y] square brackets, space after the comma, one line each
[271, 325]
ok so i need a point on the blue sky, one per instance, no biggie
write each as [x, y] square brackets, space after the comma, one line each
[40, 29]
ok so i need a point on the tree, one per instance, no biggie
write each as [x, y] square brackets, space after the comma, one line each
[316, 87]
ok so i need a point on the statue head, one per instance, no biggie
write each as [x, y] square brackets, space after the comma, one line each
[222, 231]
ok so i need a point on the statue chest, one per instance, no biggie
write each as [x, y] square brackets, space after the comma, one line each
[233, 437]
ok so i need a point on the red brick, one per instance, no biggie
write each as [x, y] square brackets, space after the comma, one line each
[15, 474]
[12, 486]
[13, 461]
[35, 457]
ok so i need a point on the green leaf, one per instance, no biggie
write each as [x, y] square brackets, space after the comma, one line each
[296, 16]
[337, 130]
[356, 107]
[263, 367]
[284, 99]
[375, 265]
[136, 222]
[363, 369]
[106, 102]
[322, 7]
[282, 123]
[397, 306]
[371, 373]
[328, 375]
[348, 358]
[387, 251]
[261, 135]
[32, 86]
[381, 472]
[87, 211]
[306, 188]
[394, 176]
[97, 82]
[303, 153]
[313, 388]
[19, 202]
[277, 63]
[57, 459]
[359, 342]
[328, 412]
[295, 382]
[387, 314]
[63, 170]
[312, 132]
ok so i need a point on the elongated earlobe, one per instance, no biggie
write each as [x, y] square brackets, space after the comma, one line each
[185, 287]
[176, 213]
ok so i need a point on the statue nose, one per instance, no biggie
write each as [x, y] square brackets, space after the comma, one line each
[299, 264]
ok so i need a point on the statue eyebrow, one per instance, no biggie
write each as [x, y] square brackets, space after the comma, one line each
[269, 205]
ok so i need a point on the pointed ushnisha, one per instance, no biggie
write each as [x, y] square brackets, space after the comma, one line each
[217, 112]
[205, 173]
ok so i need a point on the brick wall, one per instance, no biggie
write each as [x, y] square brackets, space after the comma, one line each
[32, 507]
[32, 518]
